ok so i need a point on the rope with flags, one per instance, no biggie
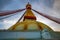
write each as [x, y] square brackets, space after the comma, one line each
[20, 18]
[15, 11]
[49, 17]
[5, 15]
[10, 12]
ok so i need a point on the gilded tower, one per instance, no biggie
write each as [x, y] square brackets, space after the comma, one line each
[29, 22]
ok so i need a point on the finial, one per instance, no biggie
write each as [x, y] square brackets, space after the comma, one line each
[28, 6]
[28, 0]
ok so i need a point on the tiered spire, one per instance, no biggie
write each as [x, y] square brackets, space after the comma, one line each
[28, 13]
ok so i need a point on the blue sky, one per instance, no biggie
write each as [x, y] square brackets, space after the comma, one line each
[16, 4]
[43, 6]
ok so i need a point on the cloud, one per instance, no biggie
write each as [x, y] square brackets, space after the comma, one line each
[3, 3]
[57, 6]
[49, 3]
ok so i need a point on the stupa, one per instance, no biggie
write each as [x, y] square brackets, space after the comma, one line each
[29, 22]
[29, 28]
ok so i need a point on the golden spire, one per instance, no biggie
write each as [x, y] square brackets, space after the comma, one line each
[28, 13]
